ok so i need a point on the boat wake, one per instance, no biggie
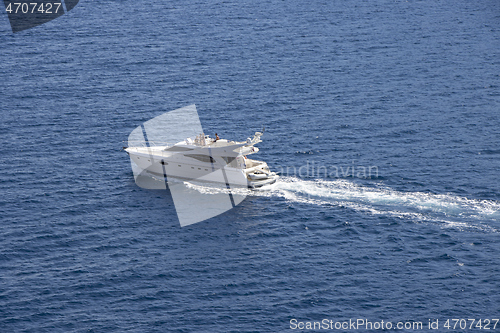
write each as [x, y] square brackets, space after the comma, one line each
[448, 209]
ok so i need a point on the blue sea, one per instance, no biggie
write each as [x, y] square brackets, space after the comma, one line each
[382, 118]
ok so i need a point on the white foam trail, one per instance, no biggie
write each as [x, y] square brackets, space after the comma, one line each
[451, 210]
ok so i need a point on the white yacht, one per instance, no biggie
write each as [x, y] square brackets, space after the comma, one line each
[204, 159]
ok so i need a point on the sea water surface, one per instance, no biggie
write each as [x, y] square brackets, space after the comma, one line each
[409, 90]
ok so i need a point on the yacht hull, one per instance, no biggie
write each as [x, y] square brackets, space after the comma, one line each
[163, 166]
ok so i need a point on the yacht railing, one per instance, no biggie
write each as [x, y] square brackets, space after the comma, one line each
[148, 144]
[139, 144]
